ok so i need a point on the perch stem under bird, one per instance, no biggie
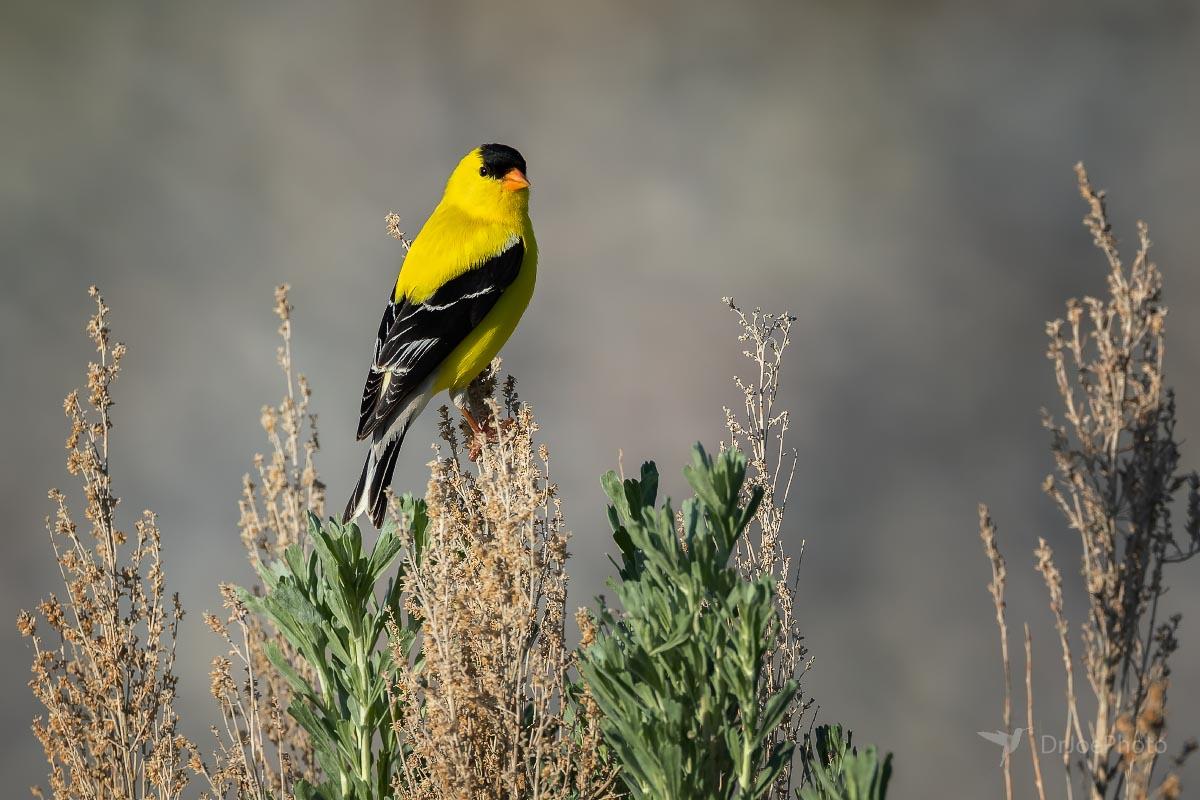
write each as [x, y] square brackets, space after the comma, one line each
[465, 282]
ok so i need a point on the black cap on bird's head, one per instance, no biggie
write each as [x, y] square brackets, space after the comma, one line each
[500, 158]
[505, 164]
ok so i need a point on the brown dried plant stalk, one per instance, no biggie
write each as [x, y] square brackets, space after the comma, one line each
[1117, 481]
[106, 676]
[486, 712]
[274, 512]
[248, 762]
[987, 532]
[760, 432]
[262, 750]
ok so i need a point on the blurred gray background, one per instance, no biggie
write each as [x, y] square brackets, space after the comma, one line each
[898, 175]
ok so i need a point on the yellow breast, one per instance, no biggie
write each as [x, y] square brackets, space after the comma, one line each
[484, 342]
[451, 243]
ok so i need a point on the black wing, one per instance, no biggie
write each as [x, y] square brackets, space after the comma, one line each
[414, 338]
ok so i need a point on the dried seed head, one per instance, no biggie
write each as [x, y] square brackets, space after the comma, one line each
[26, 624]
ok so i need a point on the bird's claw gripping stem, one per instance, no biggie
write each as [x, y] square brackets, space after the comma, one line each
[487, 432]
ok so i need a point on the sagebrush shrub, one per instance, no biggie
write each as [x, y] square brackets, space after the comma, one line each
[677, 675]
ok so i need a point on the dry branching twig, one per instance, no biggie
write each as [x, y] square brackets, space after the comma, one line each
[248, 762]
[1117, 481]
[1072, 734]
[489, 713]
[108, 682]
[1030, 729]
[274, 512]
[760, 432]
[262, 749]
[392, 220]
[987, 532]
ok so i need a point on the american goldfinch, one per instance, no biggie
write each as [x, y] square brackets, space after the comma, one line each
[461, 291]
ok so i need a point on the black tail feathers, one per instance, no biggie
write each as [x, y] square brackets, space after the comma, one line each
[380, 481]
[360, 488]
[370, 493]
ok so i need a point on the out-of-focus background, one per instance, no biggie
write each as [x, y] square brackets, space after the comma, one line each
[898, 175]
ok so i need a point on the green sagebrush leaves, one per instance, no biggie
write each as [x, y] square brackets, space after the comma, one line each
[676, 676]
[333, 604]
[835, 770]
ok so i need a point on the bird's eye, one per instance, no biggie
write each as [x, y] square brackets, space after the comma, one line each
[483, 172]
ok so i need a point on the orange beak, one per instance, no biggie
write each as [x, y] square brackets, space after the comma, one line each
[514, 179]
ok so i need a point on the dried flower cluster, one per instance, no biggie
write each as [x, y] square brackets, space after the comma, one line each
[104, 668]
[262, 750]
[274, 512]
[249, 761]
[392, 221]
[760, 432]
[1117, 479]
[996, 588]
[491, 713]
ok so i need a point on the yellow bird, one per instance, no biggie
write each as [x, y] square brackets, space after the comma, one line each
[461, 291]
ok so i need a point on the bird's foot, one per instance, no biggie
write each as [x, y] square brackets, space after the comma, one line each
[487, 432]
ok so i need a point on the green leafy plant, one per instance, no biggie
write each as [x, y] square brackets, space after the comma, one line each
[835, 770]
[333, 606]
[677, 676]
